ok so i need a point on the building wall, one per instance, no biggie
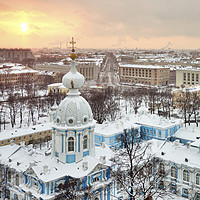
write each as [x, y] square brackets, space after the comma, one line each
[8, 77]
[187, 77]
[29, 138]
[16, 55]
[144, 75]
[177, 184]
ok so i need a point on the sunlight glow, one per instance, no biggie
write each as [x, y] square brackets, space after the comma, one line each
[24, 27]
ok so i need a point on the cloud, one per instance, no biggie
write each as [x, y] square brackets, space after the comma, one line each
[106, 20]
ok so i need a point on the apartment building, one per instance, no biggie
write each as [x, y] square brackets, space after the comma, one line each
[187, 77]
[16, 55]
[144, 74]
[16, 73]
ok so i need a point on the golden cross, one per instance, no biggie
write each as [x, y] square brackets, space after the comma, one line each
[72, 42]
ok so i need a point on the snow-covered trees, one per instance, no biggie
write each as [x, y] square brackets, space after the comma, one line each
[137, 170]
[71, 189]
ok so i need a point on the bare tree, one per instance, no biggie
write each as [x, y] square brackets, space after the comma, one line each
[70, 189]
[137, 174]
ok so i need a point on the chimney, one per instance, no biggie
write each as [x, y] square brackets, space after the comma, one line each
[45, 169]
[188, 145]
[103, 159]
[103, 145]
[177, 142]
[85, 166]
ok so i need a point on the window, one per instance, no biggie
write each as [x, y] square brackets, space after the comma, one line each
[9, 176]
[17, 179]
[71, 144]
[161, 169]
[186, 176]
[197, 196]
[85, 142]
[161, 185]
[197, 77]
[188, 76]
[184, 76]
[172, 187]
[173, 172]
[96, 179]
[198, 179]
[185, 192]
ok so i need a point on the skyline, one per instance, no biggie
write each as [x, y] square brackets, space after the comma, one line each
[150, 24]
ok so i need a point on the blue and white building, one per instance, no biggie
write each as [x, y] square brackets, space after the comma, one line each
[146, 126]
[181, 162]
[29, 173]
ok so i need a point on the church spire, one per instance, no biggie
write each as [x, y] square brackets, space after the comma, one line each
[73, 55]
[73, 79]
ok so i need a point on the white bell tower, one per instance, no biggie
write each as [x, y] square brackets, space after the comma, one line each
[73, 127]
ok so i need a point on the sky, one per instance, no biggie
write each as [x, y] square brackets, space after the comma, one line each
[150, 24]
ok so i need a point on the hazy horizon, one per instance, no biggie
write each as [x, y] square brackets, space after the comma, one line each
[105, 24]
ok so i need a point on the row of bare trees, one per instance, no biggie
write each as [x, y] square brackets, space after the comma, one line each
[111, 103]
[26, 102]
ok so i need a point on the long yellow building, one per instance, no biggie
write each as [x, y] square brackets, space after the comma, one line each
[144, 74]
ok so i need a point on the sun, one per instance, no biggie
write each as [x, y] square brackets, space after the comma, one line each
[24, 27]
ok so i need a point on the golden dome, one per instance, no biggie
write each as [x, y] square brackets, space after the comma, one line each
[73, 55]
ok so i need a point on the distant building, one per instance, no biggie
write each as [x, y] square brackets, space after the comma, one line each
[16, 73]
[172, 77]
[89, 68]
[187, 77]
[16, 55]
[180, 94]
[57, 88]
[144, 74]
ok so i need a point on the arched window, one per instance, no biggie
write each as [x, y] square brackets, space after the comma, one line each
[161, 185]
[96, 179]
[161, 169]
[198, 179]
[85, 140]
[71, 144]
[186, 176]
[17, 179]
[173, 172]
[197, 196]
[9, 176]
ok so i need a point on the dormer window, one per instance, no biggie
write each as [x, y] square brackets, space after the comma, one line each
[71, 144]
[85, 139]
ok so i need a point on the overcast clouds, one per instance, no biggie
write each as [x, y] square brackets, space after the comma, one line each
[103, 23]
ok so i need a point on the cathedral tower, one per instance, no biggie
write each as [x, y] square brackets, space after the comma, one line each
[73, 126]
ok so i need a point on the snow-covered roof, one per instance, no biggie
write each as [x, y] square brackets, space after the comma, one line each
[135, 121]
[23, 158]
[15, 69]
[188, 133]
[176, 152]
[9, 134]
